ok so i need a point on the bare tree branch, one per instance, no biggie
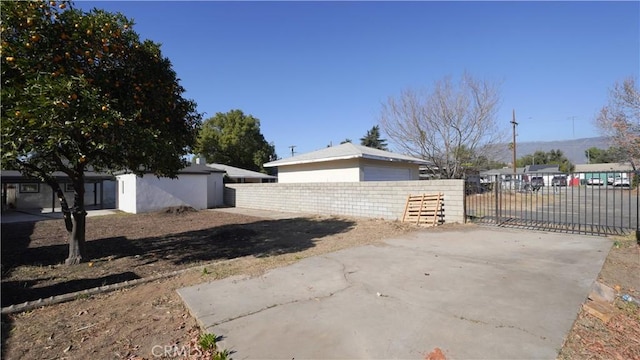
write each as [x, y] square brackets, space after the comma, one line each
[445, 124]
[620, 119]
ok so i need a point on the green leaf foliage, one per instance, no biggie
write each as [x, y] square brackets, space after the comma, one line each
[372, 139]
[81, 90]
[553, 157]
[600, 156]
[234, 138]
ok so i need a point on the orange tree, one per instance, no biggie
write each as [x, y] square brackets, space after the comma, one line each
[81, 91]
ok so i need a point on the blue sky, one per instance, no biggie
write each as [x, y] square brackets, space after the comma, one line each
[316, 73]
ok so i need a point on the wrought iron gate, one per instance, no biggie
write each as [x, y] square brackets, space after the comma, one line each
[588, 203]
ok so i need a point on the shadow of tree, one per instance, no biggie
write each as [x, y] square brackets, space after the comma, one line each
[14, 239]
[17, 292]
[146, 256]
[7, 325]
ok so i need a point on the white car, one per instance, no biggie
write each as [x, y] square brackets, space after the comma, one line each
[594, 181]
[621, 182]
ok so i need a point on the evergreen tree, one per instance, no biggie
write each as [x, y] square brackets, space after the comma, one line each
[372, 139]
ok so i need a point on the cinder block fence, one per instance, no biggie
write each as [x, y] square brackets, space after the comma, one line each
[374, 199]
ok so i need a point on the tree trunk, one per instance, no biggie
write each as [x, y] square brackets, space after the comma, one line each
[66, 212]
[77, 233]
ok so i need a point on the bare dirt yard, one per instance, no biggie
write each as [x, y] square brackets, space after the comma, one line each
[143, 321]
[149, 321]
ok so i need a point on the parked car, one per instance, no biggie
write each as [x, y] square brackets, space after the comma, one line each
[537, 182]
[620, 182]
[559, 180]
[611, 179]
[595, 181]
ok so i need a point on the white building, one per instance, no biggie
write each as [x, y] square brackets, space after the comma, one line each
[197, 186]
[347, 163]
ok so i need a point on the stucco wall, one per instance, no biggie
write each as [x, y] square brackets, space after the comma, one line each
[215, 187]
[375, 199]
[329, 171]
[150, 193]
[350, 170]
[153, 193]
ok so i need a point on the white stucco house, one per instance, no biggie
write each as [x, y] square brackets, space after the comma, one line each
[347, 163]
[198, 186]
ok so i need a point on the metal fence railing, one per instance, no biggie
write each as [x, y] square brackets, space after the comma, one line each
[591, 203]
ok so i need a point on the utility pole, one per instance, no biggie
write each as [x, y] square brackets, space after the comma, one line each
[292, 147]
[573, 125]
[514, 123]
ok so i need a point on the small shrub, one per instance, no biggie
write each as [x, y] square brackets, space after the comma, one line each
[222, 355]
[207, 341]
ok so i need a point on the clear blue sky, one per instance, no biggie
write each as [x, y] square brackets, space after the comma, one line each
[318, 72]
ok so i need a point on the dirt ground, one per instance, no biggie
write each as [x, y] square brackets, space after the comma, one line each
[619, 338]
[149, 321]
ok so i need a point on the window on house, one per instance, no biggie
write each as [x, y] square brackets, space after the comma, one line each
[68, 187]
[30, 188]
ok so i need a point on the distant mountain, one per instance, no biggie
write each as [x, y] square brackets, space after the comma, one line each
[572, 149]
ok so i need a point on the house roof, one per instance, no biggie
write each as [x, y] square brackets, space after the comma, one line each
[622, 167]
[238, 173]
[503, 171]
[15, 176]
[193, 169]
[199, 169]
[543, 168]
[343, 152]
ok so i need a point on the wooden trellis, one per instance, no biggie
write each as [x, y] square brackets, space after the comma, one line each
[425, 209]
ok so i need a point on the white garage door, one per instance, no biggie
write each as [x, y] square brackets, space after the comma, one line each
[376, 173]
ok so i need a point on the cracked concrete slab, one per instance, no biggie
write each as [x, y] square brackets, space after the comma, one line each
[484, 293]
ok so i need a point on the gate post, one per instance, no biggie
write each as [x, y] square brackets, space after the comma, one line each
[496, 189]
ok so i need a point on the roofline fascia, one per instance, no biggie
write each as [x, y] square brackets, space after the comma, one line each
[348, 157]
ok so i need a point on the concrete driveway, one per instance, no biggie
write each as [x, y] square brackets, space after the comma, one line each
[474, 292]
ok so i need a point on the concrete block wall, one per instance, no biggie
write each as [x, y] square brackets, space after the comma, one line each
[374, 199]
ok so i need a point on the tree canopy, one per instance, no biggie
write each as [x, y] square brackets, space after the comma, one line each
[601, 156]
[620, 119]
[234, 138]
[553, 157]
[81, 91]
[373, 139]
[434, 125]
